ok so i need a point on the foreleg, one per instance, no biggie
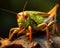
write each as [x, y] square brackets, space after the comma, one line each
[30, 33]
[13, 31]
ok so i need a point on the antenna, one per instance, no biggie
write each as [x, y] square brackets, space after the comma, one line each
[24, 6]
[8, 11]
[56, 1]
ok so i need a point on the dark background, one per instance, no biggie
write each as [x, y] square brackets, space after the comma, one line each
[8, 19]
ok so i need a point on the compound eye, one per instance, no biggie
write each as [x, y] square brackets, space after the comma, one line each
[17, 16]
[25, 15]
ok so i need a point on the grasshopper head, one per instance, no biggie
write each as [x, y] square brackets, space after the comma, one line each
[21, 17]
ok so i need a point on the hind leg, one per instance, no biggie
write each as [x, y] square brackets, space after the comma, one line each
[44, 25]
[55, 26]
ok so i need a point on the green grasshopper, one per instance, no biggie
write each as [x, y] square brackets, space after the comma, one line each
[29, 21]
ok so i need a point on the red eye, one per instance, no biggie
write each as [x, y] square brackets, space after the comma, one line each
[25, 15]
[17, 16]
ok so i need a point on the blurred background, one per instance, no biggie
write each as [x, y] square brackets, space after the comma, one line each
[8, 19]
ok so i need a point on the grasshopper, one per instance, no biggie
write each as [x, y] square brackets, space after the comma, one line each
[28, 21]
